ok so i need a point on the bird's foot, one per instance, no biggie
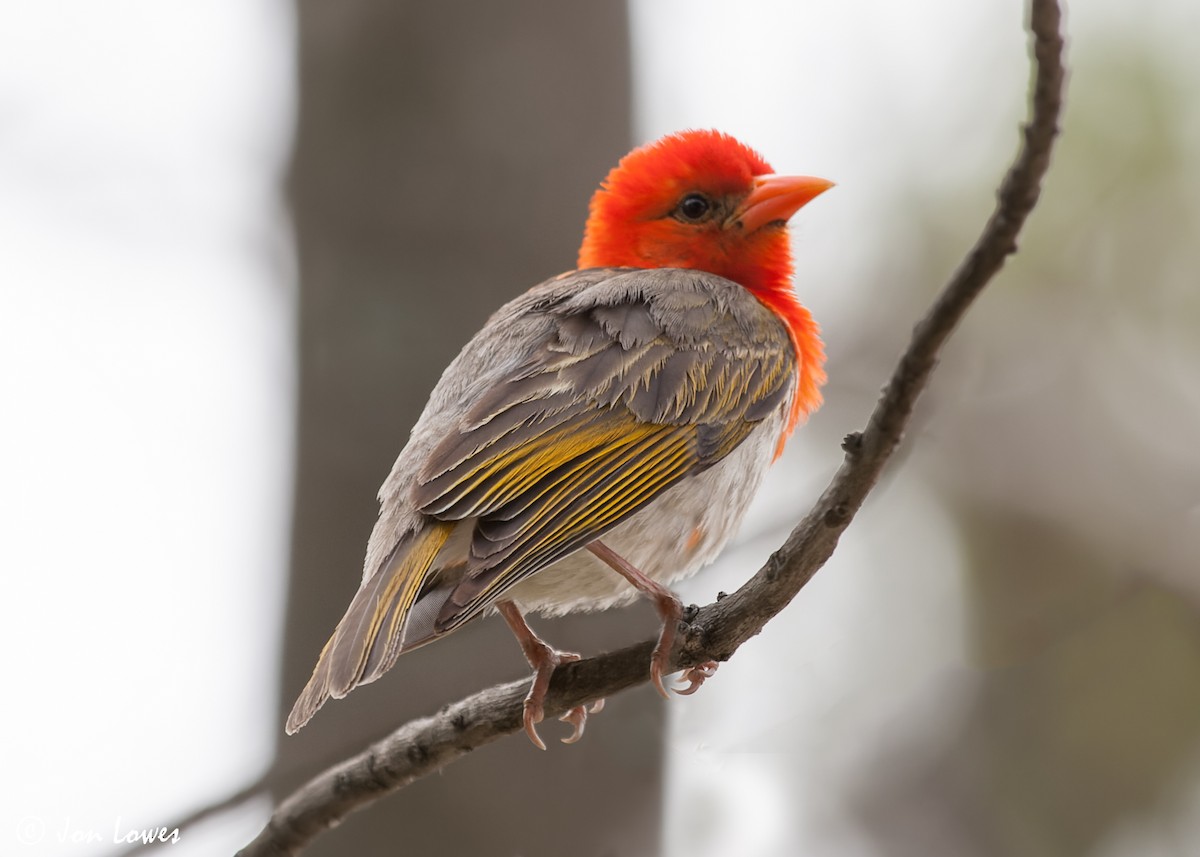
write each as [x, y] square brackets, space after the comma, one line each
[696, 676]
[544, 659]
[544, 664]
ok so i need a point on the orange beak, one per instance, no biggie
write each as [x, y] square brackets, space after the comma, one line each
[775, 199]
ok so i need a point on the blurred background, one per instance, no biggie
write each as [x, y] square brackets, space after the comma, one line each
[241, 239]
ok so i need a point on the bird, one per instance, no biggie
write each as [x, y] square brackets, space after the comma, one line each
[604, 433]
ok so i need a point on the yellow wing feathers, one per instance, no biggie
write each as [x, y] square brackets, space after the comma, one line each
[620, 402]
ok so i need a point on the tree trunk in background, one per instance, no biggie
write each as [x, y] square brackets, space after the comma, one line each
[445, 155]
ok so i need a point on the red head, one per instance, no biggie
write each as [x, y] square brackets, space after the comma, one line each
[701, 199]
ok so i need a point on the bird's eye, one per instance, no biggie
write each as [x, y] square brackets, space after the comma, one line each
[693, 207]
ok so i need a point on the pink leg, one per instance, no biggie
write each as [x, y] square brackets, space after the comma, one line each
[543, 658]
[669, 610]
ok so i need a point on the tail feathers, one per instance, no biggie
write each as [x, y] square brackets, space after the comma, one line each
[369, 638]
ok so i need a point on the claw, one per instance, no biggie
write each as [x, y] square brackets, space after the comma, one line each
[696, 676]
[577, 717]
[533, 716]
[656, 675]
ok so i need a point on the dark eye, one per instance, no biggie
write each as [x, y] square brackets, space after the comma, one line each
[694, 207]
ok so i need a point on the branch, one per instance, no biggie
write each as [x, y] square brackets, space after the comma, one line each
[716, 631]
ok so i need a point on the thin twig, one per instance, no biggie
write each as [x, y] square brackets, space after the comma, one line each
[717, 630]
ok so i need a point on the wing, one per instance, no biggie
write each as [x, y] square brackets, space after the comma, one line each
[645, 377]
